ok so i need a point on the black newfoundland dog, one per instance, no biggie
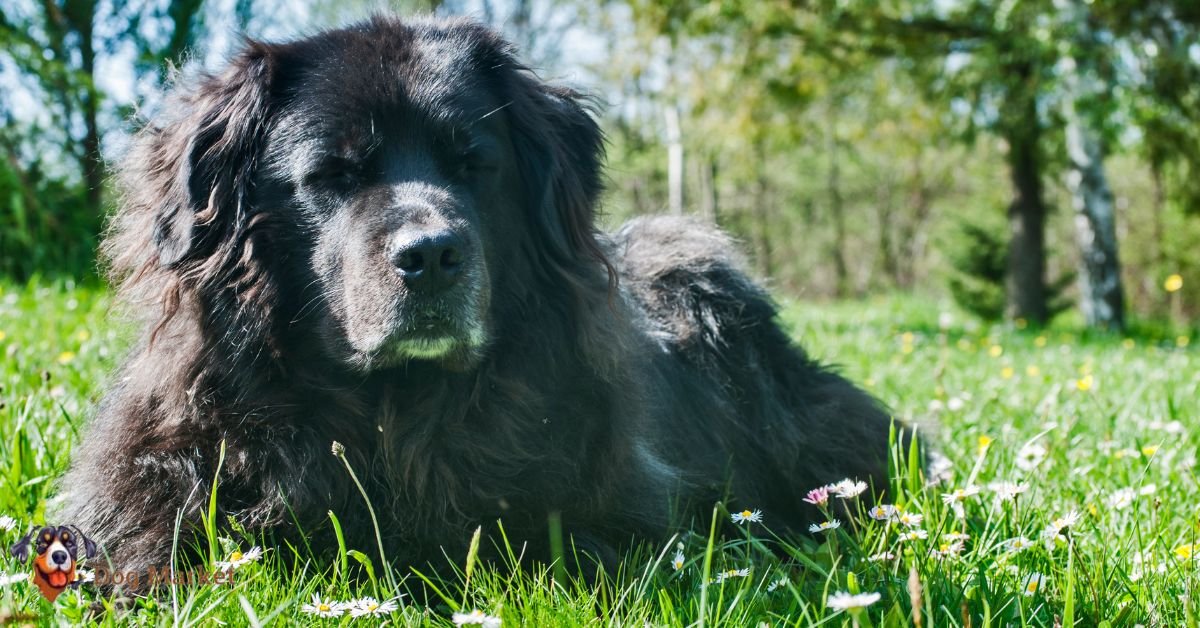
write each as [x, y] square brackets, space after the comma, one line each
[384, 236]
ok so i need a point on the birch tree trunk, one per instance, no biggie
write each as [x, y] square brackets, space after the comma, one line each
[674, 158]
[1102, 297]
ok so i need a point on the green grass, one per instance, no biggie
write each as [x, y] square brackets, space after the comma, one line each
[1102, 426]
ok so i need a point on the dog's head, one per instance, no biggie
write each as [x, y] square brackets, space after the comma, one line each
[56, 550]
[390, 186]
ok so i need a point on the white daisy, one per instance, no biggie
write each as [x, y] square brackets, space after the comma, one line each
[1007, 491]
[1016, 544]
[363, 607]
[7, 523]
[782, 581]
[846, 601]
[1033, 583]
[825, 526]
[848, 489]
[948, 549]
[1121, 498]
[914, 534]
[1056, 527]
[954, 537]
[476, 618]
[753, 516]
[323, 608]
[1030, 457]
[881, 556]
[960, 495]
[883, 512]
[85, 575]
[732, 573]
[677, 561]
[10, 579]
[238, 559]
[910, 519]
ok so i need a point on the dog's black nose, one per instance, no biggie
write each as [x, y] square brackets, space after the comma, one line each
[59, 557]
[429, 261]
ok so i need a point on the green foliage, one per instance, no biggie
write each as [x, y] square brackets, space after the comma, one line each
[978, 265]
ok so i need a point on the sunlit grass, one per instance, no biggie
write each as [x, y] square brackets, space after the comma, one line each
[1071, 493]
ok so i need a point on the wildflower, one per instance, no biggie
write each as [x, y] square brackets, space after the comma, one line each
[677, 561]
[1033, 583]
[825, 526]
[475, 618]
[845, 601]
[955, 537]
[1006, 491]
[1121, 498]
[238, 559]
[985, 441]
[84, 575]
[1016, 544]
[1186, 552]
[1062, 523]
[949, 549]
[66, 357]
[881, 556]
[1085, 383]
[370, 606]
[337, 449]
[323, 608]
[848, 489]
[1174, 283]
[747, 515]
[995, 351]
[955, 404]
[1148, 489]
[10, 579]
[7, 523]
[1030, 456]
[1149, 450]
[910, 519]
[914, 534]
[883, 512]
[732, 573]
[780, 582]
[1007, 372]
[1032, 370]
[818, 496]
[959, 495]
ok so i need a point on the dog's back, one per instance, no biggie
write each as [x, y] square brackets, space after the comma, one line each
[744, 397]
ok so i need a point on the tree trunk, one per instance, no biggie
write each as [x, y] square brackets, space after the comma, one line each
[1025, 288]
[1102, 297]
[708, 184]
[674, 158]
[833, 185]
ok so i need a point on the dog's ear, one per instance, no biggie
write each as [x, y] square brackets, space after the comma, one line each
[89, 546]
[560, 150]
[209, 153]
[20, 549]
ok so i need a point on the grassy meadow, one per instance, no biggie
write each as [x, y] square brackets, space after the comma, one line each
[1068, 495]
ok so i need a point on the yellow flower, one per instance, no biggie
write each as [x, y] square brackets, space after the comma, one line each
[1185, 552]
[1032, 370]
[1039, 342]
[3, 335]
[907, 337]
[1173, 283]
[66, 357]
[1092, 510]
[1182, 341]
[83, 335]
[1007, 372]
[1149, 450]
[995, 351]
[985, 441]
[1085, 383]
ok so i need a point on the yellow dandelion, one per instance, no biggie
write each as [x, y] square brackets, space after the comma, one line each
[907, 337]
[3, 335]
[1149, 450]
[1185, 552]
[66, 357]
[985, 441]
[1007, 372]
[1085, 383]
[1182, 341]
[1173, 283]
[1032, 370]
[1093, 510]
[995, 351]
[1039, 342]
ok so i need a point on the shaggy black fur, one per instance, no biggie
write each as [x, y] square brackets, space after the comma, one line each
[627, 382]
